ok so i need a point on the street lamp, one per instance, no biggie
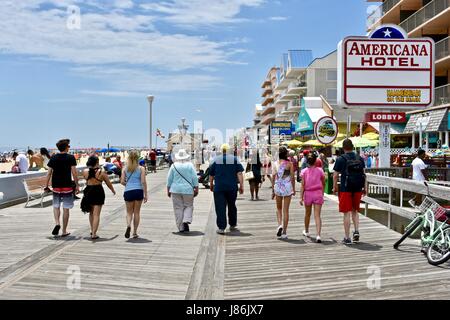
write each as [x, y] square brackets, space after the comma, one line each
[183, 130]
[150, 101]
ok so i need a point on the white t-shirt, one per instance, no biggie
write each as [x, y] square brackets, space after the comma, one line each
[418, 165]
[23, 163]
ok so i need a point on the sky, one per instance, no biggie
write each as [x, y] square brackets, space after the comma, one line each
[83, 69]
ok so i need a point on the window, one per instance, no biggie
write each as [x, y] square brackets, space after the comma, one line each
[331, 75]
[331, 94]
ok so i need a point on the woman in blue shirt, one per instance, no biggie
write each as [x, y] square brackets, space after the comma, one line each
[182, 187]
[133, 178]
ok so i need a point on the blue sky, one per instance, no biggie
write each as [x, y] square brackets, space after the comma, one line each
[202, 59]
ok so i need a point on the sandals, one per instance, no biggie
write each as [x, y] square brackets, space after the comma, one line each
[56, 229]
[65, 235]
[127, 233]
[95, 238]
[135, 236]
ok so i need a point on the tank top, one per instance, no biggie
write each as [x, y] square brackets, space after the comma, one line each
[133, 180]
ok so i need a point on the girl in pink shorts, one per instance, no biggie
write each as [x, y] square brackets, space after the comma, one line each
[311, 194]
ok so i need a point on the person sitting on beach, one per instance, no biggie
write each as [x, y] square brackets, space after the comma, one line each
[119, 165]
[39, 160]
[20, 163]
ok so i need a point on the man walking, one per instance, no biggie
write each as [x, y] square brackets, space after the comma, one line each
[62, 167]
[419, 174]
[351, 168]
[225, 174]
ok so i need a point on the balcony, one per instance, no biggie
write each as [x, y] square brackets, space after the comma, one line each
[267, 100]
[293, 65]
[382, 12]
[297, 88]
[267, 90]
[268, 118]
[268, 109]
[266, 83]
[442, 49]
[442, 95]
[425, 14]
[293, 106]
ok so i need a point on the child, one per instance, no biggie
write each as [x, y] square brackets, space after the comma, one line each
[313, 185]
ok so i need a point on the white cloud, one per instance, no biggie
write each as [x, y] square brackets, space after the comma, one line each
[111, 37]
[278, 18]
[135, 82]
[201, 12]
[111, 93]
[124, 4]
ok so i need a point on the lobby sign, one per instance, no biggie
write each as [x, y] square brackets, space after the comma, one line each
[386, 70]
[391, 117]
[326, 130]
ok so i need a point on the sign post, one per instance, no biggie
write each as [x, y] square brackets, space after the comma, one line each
[389, 72]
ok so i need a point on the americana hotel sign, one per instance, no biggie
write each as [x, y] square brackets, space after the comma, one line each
[386, 70]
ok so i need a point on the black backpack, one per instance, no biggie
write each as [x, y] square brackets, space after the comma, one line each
[354, 173]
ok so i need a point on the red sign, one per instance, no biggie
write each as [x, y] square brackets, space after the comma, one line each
[393, 117]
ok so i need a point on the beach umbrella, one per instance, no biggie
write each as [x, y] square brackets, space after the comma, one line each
[313, 143]
[358, 142]
[104, 150]
[371, 136]
[293, 143]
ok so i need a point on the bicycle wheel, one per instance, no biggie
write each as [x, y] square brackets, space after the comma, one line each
[411, 228]
[439, 250]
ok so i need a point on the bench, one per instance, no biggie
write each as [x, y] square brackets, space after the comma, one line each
[34, 188]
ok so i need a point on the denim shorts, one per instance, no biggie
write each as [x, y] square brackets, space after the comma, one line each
[67, 200]
[134, 195]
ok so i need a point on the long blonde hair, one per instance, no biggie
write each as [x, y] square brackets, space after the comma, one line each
[132, 161]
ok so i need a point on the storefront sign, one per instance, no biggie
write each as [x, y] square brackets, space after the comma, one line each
[385, 145]
[326, 130]
[397, 117]
[386, 69]
[304, 122]
[282, 127]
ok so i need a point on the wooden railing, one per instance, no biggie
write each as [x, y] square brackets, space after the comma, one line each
[391, 184]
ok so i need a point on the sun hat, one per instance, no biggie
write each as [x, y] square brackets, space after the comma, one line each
[182, 155]
[225, 147]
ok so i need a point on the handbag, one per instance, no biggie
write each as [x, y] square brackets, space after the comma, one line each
[195, 192]
[249, 176]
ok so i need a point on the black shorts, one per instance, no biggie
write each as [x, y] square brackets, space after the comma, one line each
[134, 195]
[153, 163]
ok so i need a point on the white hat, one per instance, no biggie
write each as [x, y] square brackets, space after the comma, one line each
[182, 155]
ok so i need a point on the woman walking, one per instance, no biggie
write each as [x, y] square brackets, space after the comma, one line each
[311, 194]
[133, 178]
[94, 194]
[283, 186]
[254, 165]
[182, 187]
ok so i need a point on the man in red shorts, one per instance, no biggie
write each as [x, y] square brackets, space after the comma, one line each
[351, 168]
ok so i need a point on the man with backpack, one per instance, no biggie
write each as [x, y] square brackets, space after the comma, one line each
[351, 168]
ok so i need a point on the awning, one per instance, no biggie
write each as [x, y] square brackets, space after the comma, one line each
[310, 112]
[396, 128]
[431, 121]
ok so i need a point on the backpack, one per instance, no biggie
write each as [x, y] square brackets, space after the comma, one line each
[354, 173]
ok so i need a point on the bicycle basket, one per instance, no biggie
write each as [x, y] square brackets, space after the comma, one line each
[429, 204]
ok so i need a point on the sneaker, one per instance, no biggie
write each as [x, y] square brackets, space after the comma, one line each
[347, 241]
[280, 231]
[234, 228]
[305, 233]
[221, 231]
[318, 240]
[412, 203]
[186, 227]
[356, 236]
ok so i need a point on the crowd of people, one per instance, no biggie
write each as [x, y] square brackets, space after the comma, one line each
[227, 177]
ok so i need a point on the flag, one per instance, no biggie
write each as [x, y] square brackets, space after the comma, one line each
[160, 134]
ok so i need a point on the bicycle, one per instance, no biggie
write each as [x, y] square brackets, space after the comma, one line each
[435, 232]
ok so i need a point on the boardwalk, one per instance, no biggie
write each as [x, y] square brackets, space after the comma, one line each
[251, 264]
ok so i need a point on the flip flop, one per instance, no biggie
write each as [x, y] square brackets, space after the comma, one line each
[127, 233]
[95, 238]
[55, 231]
[65, 235]
[135, 236]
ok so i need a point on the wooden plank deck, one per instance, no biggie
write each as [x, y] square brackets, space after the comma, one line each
[259, 266]
[251, 264]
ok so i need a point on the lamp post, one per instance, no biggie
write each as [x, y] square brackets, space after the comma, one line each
[150, 101]
[183, 129]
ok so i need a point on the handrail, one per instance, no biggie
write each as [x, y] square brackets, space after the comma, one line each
[422, 15]
[442, 48]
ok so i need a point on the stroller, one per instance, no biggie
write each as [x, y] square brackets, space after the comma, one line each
[203, 178]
